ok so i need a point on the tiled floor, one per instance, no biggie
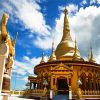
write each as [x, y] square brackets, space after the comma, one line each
[17, 98]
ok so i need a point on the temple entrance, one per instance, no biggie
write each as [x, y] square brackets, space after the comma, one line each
[62, 86]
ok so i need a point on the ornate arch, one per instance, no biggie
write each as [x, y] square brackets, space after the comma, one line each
[90, 82]
[83, 80]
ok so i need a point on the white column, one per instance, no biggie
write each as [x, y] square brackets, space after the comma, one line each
[10, 66]
[2, 68]
[5, 97]
[51, 94]
[70, 93]
[4, 50]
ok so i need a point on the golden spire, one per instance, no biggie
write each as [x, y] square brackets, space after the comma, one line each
[76, 55]
[91, 58]
[66, 30]
[14, 41]
[53, 56]
[42, 61]
[66, 47]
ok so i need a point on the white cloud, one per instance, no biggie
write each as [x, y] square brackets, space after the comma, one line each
[44, 43]
[84, 2]
[26, 66]
[98, 1]
[25, 79]
[28, 12]
[57, 31]
[98, 59]
[93, 1]
[7, 6]
[72, 8]
[84, 25]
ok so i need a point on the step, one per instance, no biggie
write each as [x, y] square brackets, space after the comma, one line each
[61, 97]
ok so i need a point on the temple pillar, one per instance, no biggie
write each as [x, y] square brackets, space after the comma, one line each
[2, 68]
[87, 86]
[4, 49]
[34, 85]
[5, 97]
[30, 85]
[9, 67]
[70, 90]
[97, 86]
[92, 85]
[49, 82]
[37, 84]
[70, 93]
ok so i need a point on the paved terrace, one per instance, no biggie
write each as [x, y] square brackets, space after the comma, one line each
[16, 98]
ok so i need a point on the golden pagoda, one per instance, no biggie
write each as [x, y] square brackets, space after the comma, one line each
[66, 72]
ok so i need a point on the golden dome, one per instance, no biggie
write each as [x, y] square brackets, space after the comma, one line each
[66, 48]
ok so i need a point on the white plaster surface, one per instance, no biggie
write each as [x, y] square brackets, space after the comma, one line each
[16, 98]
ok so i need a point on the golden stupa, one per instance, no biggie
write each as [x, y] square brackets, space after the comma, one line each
[66, 72]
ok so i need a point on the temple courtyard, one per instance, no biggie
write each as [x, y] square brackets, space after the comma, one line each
[17, 98]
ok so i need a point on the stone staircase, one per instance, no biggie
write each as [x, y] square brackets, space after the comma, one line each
[61, 97]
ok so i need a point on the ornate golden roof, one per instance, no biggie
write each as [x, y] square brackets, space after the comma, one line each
[14, 40]
[65, 49]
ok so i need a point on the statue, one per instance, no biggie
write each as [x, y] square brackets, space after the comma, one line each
[5, 36]
[79, 92]
[3, 26]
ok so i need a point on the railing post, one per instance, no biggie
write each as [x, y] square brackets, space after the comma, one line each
[70, 93]
[51, 94]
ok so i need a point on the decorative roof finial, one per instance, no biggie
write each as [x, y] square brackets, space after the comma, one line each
[3, 26]
[42, 60]
[65, 11]
[14, 41]
[91, 58]
[76, 55]
[66, 30]
[53, 56]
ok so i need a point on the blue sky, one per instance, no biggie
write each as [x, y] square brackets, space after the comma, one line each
[40, 22]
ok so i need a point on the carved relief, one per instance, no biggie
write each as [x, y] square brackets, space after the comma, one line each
[62, 67]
